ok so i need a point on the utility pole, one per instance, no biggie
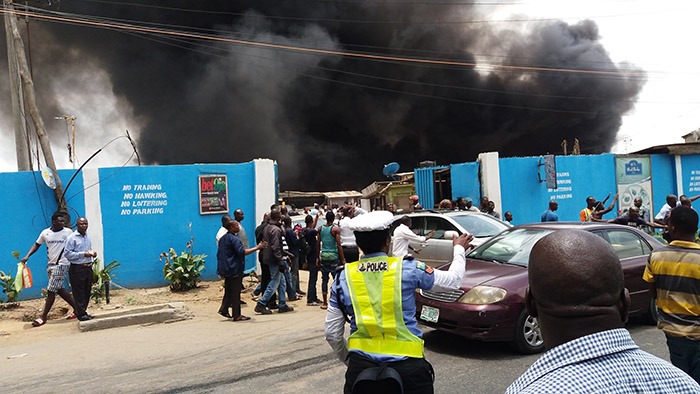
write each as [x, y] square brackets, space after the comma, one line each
[30, 94]
[21, 145]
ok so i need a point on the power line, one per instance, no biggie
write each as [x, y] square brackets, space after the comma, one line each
[318, 51]
[361, 21]
[239, 35]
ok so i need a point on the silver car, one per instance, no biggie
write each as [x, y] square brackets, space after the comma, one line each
[447, 225]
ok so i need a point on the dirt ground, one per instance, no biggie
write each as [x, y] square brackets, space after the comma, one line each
[16, 327]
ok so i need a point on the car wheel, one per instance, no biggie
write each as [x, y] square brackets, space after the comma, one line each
[652, 315]
[528, 338]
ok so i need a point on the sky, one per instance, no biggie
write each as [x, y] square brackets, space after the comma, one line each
[657, 37]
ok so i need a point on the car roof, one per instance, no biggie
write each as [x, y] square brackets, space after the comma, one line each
[586, 226]
[449, 213]
[434, 212]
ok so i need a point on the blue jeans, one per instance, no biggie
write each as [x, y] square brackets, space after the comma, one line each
[685, 354]
[328, 267]
[289, 283]
[295, 274]
[277, 284]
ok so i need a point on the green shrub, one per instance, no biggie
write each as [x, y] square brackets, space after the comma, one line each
[182, 271]
[101, 279]
[7, 282]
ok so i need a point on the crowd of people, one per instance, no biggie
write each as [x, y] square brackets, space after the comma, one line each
[581, 312]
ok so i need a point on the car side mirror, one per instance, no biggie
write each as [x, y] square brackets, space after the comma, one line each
[451, 234]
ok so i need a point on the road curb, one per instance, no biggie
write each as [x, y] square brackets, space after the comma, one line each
[162, 313]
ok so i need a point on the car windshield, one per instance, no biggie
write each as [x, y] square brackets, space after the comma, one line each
[480, 225]
[512, 246]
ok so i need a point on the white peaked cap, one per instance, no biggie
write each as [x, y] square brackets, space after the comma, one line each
[372, 221]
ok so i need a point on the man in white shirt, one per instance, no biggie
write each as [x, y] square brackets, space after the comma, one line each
[403, 235]
[222, 230]
[671, 202]
[54, 237]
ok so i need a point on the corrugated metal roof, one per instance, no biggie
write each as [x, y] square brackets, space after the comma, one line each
[351, 194]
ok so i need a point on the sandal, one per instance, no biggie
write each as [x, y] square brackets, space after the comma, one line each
[38, 322]
[72, 316]
[224, 314]
[240, 318]
[324, 306]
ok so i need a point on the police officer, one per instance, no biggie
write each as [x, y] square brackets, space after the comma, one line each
[372, 292]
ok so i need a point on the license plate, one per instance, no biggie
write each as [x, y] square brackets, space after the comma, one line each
[429, 314]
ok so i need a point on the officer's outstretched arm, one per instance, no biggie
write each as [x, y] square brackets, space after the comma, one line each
[452, 278]
[335, 330]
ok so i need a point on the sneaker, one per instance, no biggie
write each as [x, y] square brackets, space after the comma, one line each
[285, 308]
[313, 303]
[262, 310]
[84, 318]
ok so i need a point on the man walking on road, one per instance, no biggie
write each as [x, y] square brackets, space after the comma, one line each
[54, 237]
[577, 293]
[672, 273]
[80, 254]
[273, 256]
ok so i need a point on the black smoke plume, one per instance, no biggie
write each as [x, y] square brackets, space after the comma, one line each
[332, 122]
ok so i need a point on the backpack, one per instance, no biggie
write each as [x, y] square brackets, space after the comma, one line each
[304, 244]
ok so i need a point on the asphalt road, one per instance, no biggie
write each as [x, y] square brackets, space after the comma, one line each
[270, 354]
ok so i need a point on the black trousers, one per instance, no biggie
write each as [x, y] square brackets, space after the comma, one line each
[351, 254]
[81, 285]
[416, 373]
[232, 295]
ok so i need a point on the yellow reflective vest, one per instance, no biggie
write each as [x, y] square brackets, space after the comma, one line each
[375, 292]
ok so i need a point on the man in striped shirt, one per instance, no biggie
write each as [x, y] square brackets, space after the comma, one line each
[673, 273]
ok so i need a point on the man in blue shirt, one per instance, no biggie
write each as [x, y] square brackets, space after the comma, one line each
[79, 252]
[581, 306]
[230, 258]
[549, 215]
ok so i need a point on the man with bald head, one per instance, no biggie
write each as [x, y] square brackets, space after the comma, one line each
[581, 305]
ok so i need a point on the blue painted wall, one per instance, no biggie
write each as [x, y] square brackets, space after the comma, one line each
[137, 239]
[690, 174]
[28, 204]
[577, 178]
[134, 238]
[465, 181]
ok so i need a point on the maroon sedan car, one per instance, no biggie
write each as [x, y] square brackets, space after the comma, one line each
[490, 305]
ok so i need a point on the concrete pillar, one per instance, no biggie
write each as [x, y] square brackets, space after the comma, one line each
[491, 178]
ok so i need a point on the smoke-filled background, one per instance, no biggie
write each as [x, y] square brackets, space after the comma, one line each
[330, 121]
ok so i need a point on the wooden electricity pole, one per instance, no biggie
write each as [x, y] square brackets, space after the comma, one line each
[30, 95]
[21, 143]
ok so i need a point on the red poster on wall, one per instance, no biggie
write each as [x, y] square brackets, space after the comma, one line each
[213, 194]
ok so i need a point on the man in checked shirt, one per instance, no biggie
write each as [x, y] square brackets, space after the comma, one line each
[581, 305]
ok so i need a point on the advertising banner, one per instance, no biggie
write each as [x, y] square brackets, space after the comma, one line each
[213, 194]
[633, 174]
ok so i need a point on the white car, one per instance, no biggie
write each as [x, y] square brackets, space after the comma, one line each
[447, 225]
